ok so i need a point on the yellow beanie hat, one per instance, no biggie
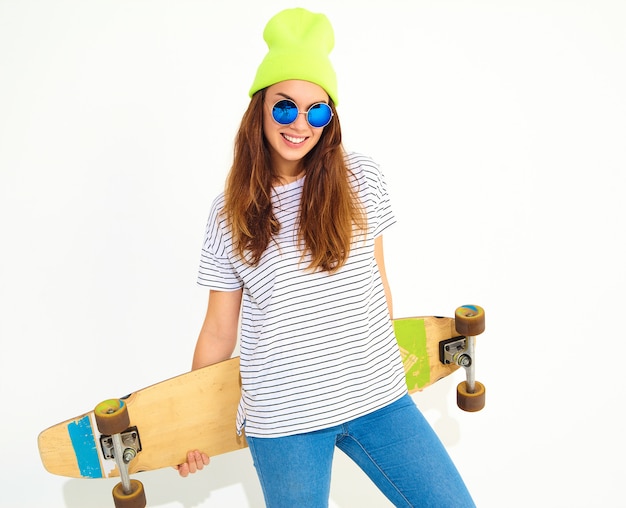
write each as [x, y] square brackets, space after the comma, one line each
[299, 43]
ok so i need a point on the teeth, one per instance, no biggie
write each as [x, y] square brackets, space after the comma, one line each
[293, 140]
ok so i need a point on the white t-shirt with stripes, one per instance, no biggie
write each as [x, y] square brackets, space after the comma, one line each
[316, 349]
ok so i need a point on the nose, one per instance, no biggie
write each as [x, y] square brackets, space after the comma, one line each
[300, 121]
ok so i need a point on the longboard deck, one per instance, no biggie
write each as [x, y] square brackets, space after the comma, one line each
[203, 403]
[72, 448]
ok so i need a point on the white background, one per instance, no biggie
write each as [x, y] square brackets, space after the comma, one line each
[501, 127]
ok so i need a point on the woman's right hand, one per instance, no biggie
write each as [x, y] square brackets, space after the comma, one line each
[196, 460]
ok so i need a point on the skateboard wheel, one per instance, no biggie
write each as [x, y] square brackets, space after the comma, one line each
[112, 417]
[470, 402]
[469, 320]
[136, 498]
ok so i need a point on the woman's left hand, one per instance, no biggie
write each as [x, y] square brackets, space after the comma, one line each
[196, 460]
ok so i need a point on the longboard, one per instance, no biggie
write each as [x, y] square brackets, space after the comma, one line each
[197, 410]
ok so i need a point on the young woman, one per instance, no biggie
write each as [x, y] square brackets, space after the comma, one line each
[294, 245]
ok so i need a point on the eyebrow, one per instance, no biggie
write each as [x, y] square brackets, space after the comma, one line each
[294, 100]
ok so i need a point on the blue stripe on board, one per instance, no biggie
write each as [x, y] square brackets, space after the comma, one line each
[83, 442]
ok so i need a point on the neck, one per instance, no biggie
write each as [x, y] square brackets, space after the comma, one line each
[288, 172]
[287, 179]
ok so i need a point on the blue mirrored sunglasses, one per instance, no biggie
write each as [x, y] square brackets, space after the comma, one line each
[286, 111]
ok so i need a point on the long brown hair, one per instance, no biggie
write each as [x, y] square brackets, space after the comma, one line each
[330, 210]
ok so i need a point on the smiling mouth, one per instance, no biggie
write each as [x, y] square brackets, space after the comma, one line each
[294, 140]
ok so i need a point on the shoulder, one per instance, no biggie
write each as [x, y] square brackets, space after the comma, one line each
[217, 205]
[364, 171]
[359, 163]
[218, 201]
[216, 221]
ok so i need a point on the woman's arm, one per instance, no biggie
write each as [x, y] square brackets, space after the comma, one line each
[380, 261]
[218, 335]
[216, 343]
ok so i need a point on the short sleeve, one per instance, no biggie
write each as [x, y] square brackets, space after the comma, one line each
[217, 270]
[372, 189]
[385, 217]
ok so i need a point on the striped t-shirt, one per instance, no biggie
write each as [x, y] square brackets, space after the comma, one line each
[316, 349]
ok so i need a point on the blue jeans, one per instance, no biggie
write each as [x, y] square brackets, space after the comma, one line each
[395, 446]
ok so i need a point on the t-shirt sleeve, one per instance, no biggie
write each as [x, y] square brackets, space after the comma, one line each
[216, 266]
[384, 211]
[373, 192]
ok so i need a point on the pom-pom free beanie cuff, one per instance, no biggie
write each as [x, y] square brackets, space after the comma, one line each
[299, 43]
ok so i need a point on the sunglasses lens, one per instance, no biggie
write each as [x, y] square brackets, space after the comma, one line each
[319, 115]
[285, 112]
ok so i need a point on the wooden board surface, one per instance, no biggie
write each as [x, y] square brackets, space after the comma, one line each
[193, 411]
[418, 339]
[197, 410]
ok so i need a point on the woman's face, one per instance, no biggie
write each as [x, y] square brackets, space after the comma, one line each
[290, 143]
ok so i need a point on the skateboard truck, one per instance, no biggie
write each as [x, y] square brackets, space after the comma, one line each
[122, 445]
[131, 445]
[469, 321]
[454, 351]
